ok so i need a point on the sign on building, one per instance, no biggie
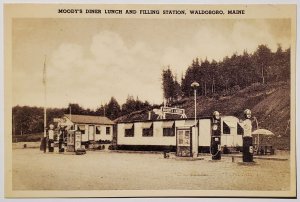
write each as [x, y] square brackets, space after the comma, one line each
[171, 110]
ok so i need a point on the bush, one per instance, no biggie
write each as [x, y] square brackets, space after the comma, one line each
[27, 138]
[34, 138]
[112, 147]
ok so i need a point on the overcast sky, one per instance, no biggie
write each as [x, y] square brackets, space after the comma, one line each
[90, 60]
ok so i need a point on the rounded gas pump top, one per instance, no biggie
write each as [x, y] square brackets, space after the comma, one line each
[216, 115]
[247, 113]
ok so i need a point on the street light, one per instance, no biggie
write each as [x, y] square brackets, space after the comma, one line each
[195, 142]
[195, 85]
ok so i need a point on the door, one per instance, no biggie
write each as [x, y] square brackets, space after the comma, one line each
[91, 132]
[184, 143]
[77, 140]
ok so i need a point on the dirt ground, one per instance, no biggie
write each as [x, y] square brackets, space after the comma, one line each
[107, 170]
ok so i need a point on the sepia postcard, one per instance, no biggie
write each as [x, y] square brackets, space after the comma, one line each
[150, 100]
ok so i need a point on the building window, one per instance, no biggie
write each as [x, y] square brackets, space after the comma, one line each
[81, 128]
[129, 133]
[147, 130]
[226, 128]
[98, 130]
[168, 132]
[168, 128]
[129, 130]
[107, 130]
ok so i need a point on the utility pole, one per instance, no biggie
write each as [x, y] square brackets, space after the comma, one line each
[44, 142]
[195, 85]
[45, 97]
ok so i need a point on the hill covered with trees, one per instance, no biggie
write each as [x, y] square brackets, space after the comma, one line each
[229, 75]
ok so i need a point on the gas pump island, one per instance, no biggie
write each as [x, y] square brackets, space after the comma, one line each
[187, 138]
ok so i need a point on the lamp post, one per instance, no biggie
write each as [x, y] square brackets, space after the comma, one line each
[195, 85]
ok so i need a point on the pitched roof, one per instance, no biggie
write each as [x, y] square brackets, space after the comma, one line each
[89, 119]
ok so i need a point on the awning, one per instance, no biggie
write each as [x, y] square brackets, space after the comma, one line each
[240, 129]
[230, 124]
[98, 128]
[190, 123]
[168, 124]
[128, 126]
[81, 127]
[147, 125]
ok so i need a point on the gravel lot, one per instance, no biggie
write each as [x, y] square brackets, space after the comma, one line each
[105, 170]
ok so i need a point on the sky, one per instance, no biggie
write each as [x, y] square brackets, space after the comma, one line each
[90, 60]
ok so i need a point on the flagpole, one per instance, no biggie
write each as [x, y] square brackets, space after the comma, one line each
[45, 98]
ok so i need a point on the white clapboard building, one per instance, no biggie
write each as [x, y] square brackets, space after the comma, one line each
[161, 134]
[93, 128]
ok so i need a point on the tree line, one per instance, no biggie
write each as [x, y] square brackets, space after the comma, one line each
[230, 74]
[29, 120]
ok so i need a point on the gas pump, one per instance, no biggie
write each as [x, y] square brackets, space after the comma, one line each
[77, 140]
[61, 142]
[247, 149]
[51, 138]
[247, 138]
[74, 142]
[78, 149]
[215, 147]
[71, 141]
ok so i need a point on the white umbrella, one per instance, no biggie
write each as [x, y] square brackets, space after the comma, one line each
[262, 132]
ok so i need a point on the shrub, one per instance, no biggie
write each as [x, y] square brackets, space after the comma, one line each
[27, 138]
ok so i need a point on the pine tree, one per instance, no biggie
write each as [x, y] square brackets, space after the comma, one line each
[113, 109]
[168, 85]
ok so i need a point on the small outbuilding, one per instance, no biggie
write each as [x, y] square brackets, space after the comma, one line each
[93, 128]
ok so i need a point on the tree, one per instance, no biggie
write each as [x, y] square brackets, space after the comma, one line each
[101, 111]
[213, 75]
[177, 89]
[168, 84]
[280, 65]
[203, 76]
[193, 73]
[28, 120]
[132, 105]
[113, 109]
[246, 70]
[263, 57]
[129, 105]
[186, 82]
[74, 109]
